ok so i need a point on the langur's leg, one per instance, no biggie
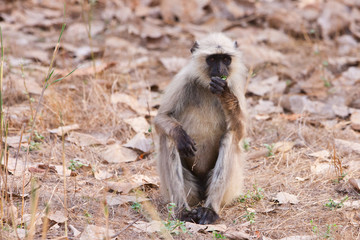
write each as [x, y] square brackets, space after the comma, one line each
[178, 184]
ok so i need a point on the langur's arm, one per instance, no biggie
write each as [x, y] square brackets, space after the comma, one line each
[166, 124]
[231, 106]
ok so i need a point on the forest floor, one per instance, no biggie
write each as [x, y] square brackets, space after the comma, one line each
[97, 178]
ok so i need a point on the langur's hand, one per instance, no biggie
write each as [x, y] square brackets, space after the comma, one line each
[184, 143]
[218, 85]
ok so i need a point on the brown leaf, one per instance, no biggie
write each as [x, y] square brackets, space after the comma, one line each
[284, 197]
[89, 70]
[102, 174]
[58, 217]
[37, 55]
[148, 227]
[20, 166]
[355, 121]
[261, 87]
[140, 142]
[139, 124]
[35, 170]
[324, 154]
[185, 11]
[257, 55]
[134, 182]
[93, 232]
[283, 146]
[13, 141]
[195, 228]
[333, 19]
[65, 129]
[267, 107]
[83, 140]
[116, 154]
[173, 64]
[347, 146]
[355, 183]
[288, 20]
[322, 168]
[237, 235]
[60, 170]
[315, 85]
[115, 200]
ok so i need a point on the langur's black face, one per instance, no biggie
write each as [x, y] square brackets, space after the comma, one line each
[218, 65]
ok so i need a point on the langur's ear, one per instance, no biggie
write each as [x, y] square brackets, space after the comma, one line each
[194, 47]
[236, 44]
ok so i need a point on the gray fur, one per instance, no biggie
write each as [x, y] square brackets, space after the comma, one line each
[188, 102]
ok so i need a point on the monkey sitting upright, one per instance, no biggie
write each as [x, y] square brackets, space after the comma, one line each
[200, 123]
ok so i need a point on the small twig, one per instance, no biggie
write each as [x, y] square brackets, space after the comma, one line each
[129, 225]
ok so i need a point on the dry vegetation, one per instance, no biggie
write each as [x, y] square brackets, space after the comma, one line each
[97, 177]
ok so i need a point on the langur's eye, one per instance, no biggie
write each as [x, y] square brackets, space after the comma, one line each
[226, 60]
[212, 59]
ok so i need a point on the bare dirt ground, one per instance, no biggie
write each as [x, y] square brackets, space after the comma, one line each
[97, 178]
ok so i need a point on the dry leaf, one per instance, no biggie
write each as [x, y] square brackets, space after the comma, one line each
[237, 235]
[324, 154]
[131, 101]
[284, 197]
[20, 166]
[347, 146]
[123, 98]
[59, 169]
[352, 204]
[262, 87]
[267, 107]
[139, 124]
[32, 87]
[355, 183]
[37, 55]
[314, 85]
[148, 227]
[88, 69]
[114, 200]
[11, 212]
[116, 154]
[26, 218]
[301, 104]
[74, 230]
[355, 121]
[283, 146]
[63, 130]
[341, 110]
[77, 31]
[322, 168]
[102, 174]
[306, 237]
[13, 141]
[93, 232]
[186, 11]
[83, 140]
[58, 217]
[140, 142]
[333, 19]
[195, 228]
[288, 20]
[173, 64]
[134, 182]
[257, 55]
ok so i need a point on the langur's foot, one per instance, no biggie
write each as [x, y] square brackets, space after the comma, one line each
[200, 215]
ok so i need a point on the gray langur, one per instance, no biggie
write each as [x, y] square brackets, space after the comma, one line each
[200, 124]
